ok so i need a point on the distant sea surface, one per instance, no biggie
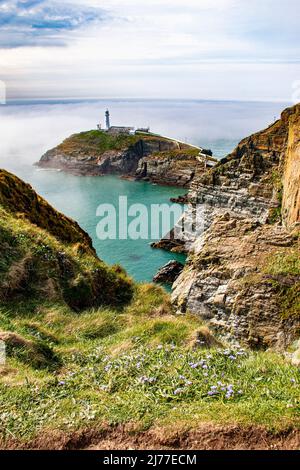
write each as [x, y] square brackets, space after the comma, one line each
[30, 128]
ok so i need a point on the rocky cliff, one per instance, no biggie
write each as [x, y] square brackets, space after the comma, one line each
[177, 167]
[291, 172]
[243, 272]
[142, 156]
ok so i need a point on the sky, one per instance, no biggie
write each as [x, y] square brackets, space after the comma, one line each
[192, 49]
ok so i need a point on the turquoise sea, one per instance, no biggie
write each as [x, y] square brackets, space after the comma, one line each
[28, 129]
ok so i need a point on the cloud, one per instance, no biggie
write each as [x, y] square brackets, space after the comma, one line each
[43, 23]
[225, 49]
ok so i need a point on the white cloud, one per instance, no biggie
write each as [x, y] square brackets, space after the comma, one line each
[196, 48]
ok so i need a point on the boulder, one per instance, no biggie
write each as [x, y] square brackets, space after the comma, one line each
[169, 273]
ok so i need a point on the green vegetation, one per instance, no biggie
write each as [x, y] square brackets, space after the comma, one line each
[19, 198]
[141, 365]
[35, 265]
[182, 154]
[85, 347]
[96, 142]
[276, 213]
[285, 262]
[284, 266]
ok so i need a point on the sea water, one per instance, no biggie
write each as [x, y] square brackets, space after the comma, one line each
[28, 129]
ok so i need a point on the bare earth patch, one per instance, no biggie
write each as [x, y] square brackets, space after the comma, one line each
[206, 437]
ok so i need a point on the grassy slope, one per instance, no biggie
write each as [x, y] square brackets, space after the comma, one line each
[19, 198]
[96, 141]
[137, 365]
[72, 366]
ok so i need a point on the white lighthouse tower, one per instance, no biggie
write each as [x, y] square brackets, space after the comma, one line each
[107, 119]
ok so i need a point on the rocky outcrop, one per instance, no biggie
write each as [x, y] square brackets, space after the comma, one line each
[228, 284]
[169, 273]
[148, 157]
[291, 177]
[228, 279]
[176, 168]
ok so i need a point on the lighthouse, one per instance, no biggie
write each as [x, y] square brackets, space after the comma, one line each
[114, 130]
[107, 119]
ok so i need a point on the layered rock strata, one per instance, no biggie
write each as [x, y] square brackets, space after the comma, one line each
[250, 206]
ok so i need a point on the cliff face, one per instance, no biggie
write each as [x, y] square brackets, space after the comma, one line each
[45, 256]
[291, 177]
[177, 167]
[147, 157]
[233, 278]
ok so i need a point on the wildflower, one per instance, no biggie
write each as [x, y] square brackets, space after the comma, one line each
[233, 358]
[62, 382]
[159, 347]
[178, 391]
[189, 382]
[205, 366]
[293, 381]
[143, 379]
[193, 365]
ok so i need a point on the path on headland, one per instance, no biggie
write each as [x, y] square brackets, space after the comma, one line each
[202, 156]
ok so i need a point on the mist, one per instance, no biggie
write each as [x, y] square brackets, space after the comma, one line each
[28, 130]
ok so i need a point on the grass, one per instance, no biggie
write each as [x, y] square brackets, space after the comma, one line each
[85, 347]
[275, 214]
[182, 154]
[35, 265]
[284, 267]
[285, 262]
[97, 142]
[140, 365]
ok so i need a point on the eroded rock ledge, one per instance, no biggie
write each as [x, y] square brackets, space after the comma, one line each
[243, 271]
